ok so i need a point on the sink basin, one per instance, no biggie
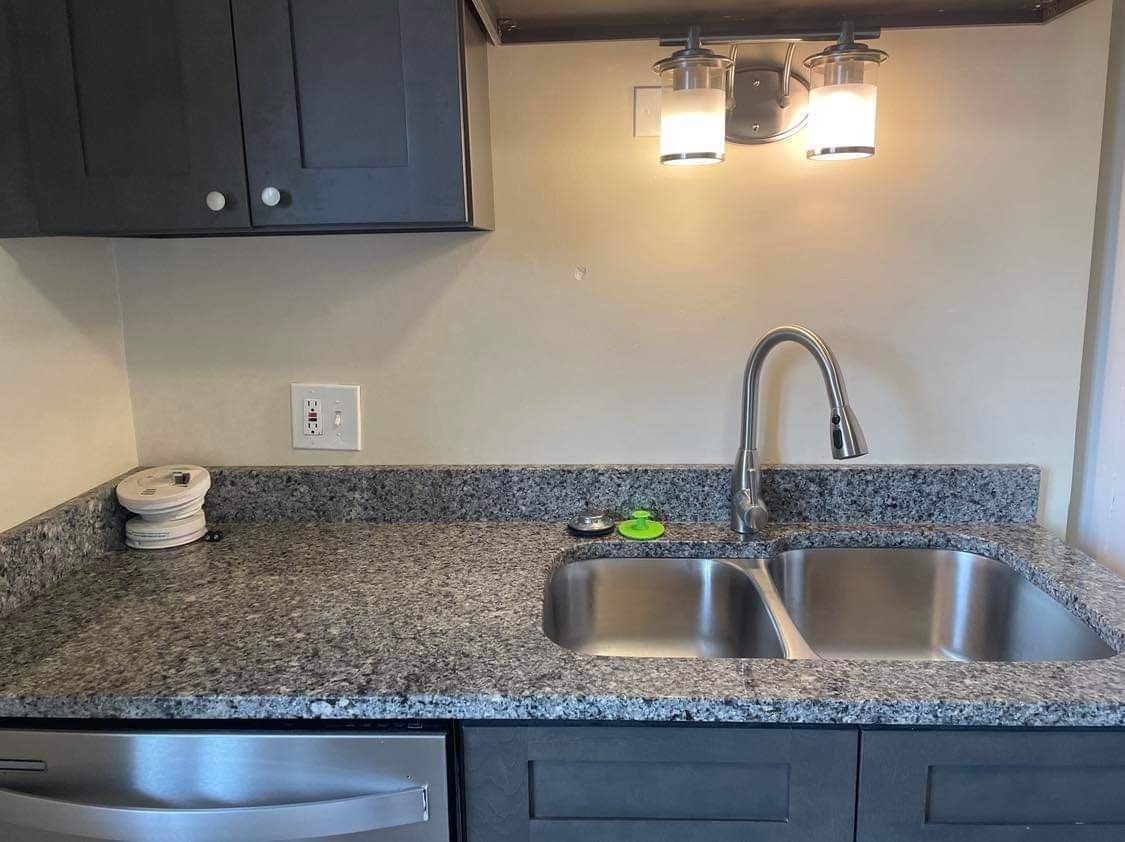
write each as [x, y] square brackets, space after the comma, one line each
[911, 604]
[858, 604]
[659, 608]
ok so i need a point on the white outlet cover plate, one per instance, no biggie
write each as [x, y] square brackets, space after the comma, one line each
[646, 112]
[336, 402]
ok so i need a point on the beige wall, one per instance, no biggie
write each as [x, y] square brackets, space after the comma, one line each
[62, 373]
[1098, 506]
[949, 273]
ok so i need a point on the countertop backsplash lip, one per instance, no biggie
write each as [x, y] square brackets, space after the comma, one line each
[38, 552]
[859, 493]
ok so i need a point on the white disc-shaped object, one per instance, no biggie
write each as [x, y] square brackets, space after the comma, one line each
[216, 201]
[271, 197]
[164, 493]
[144, 534]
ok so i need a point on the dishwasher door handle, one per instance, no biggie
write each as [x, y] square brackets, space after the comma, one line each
[363, 813]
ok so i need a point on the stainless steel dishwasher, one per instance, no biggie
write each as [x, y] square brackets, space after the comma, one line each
[207, 786]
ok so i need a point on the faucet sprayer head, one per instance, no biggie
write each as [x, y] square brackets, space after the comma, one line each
[846, 434]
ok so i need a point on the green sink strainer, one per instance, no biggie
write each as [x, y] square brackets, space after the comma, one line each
[641, 527]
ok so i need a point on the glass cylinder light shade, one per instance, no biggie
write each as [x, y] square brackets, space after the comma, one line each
[693, 107]
[842, 102]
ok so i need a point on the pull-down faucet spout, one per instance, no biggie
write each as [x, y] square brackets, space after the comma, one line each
[747, 511]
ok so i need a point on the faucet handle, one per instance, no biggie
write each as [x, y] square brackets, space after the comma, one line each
[750, 512]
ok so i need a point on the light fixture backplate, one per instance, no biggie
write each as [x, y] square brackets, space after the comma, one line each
[757, 116]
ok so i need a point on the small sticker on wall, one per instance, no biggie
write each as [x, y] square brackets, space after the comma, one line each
[646, 111]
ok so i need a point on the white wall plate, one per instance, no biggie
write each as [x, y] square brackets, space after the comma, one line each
[325, 417]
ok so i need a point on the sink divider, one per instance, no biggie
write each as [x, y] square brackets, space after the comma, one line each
[792, 641]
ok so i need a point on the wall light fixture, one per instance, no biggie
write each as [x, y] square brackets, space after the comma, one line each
[707, 98]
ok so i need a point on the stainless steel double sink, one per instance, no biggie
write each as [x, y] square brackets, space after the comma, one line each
[859, 604]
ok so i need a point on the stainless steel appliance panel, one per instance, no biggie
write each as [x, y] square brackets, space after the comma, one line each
[206, 786]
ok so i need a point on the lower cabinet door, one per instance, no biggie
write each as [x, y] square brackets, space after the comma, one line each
[992, 786]
[659, 784]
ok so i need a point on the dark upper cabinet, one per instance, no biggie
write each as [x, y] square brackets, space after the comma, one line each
[132, 115]
[354, 111]
[17, 201]
[173, 116]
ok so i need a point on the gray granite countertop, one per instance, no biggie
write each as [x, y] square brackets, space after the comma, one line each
[442, 620]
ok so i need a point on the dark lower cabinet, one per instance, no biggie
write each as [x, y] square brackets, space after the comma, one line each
[658, 784]
[992, 786]
[133, 115]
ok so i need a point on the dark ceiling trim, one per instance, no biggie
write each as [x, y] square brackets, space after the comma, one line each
[606, 31]
[628, 29]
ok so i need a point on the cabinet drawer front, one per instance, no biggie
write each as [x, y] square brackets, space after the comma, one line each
[712, 784]
[992, 786]
[132, 114]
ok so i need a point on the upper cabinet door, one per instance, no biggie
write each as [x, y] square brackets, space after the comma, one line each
[17, 200]
[133, 115]
[353, 111]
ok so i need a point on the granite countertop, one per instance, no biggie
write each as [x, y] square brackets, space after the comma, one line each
[442, 620]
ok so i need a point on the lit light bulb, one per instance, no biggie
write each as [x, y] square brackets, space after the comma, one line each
[693, 126]
[842, 121]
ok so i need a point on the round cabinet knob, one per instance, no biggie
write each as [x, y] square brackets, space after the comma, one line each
[271, 197]
[216, 201]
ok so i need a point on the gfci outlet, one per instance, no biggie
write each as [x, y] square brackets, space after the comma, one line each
[311, 417]
[325, 417]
